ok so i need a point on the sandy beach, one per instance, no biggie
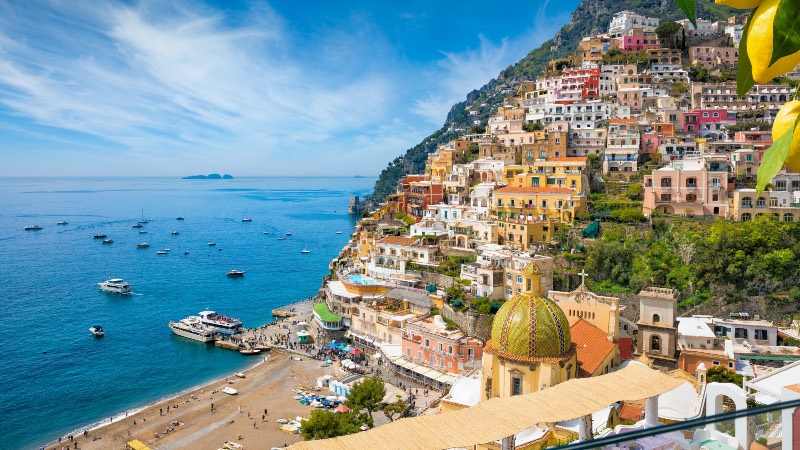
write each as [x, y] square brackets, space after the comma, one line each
[266, 386]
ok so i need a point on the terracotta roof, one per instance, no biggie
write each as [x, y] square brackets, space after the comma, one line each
[592, 345]
[631, 412]
[398, 240]
[532, 190]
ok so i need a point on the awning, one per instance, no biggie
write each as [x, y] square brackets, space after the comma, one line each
[348, 333]
[355, 351]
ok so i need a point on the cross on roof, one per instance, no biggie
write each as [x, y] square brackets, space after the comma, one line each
[583, 274]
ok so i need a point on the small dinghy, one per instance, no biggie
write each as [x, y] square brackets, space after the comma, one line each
[229, 390]
[240, 374]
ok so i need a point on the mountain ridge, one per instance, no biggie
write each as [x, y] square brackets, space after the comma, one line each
[589, 18]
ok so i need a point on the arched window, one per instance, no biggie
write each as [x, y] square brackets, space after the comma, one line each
[747, 202]
[746, 217]
[656, 318]
[655, 343]
[788, 217]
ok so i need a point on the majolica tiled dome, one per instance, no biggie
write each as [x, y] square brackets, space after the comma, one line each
[530, 328]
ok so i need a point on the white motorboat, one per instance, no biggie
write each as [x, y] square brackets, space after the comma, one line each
[175, 233]
[108, 241]
[229, 390]
[338, 232]
[247, 219]
[32, 228]
[211, 244]
[266, 232]
[288, 234]
[115, 285]
[142, 231]
[161, 252]
[305, 251]
[97, 330]
[281, 238]
[236, 273]
[138, 225]
[192, 328]
[143, 245]
[240, 375]
[63, 222]
[223, 324]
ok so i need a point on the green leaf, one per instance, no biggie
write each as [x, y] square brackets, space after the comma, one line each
[744, 72]
[785, 33]
[774, 157]
[689, 8]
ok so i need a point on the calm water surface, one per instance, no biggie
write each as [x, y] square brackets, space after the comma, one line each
[50, 297]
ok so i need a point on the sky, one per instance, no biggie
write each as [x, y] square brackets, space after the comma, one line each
[250, 88]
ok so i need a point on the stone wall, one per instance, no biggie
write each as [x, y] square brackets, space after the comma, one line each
[474, 326]
[441, 281]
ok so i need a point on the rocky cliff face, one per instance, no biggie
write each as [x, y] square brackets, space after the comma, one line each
[590, 17]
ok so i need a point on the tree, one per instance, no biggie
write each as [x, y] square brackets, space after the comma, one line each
[634, 191]
[477, 129]
[628, 215]
[667, 32]
[720, 374]
[366, 395]
[325, 424]
[397, 407]
[535, 126]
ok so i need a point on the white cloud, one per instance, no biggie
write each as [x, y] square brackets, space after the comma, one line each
[458, 73]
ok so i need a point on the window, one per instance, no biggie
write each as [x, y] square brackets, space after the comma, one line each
[470, 352]
[761, 335]
[691, 198]
[427, 343]
[714, 197]
[747, 202]
[450, 349]
[666, 182]
[691, 182]
[788, 217]
[760, 203]
[655, 343]
[656, 318]
[440, 346]
[747, 217]
[516, 386]
[740, 333]
[519, 279]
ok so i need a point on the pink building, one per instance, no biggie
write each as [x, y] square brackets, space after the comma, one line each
[707, 121]
[691, 186]
[428, 342]
[637, 40]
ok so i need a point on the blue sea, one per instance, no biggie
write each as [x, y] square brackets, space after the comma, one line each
[58, 377]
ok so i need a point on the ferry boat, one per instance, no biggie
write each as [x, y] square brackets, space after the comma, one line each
[32, 228]
[97, 330]
[192, 328]
[99, 236]
[236, 273]
[115, 285]
[108, 241]
[143, 245]
[63, 222]
[223, 324]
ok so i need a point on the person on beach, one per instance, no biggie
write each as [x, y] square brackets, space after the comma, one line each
[160, 411]
[212, 407]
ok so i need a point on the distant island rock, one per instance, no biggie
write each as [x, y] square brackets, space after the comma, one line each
[211, 176]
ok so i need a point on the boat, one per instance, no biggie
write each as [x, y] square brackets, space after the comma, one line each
[281, 238]
[229, 390]
[63, 222]
[143, 245]
[108, 241]
[266, 232]
[211, 244]
[179, 218]
[249, 351]
[338, 232]
[115, 285]
[143, 219]
[220, 249]
[186, 252]
[288, 234]
[175, 233]
[192, 328]
[167, 250]
[137, 225]
[161, 252]
[223, 324]
[97, 330]
[282, 421]
[236, 273]
[99, 236]
[305, 251]
[32, 228]
[247, 219]
[143, 232]
[240, 375]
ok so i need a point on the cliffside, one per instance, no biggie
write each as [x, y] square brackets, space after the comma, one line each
[591, 17]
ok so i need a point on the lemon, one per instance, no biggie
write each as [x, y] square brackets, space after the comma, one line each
[783, 121]
[740, 4]
[759, 45]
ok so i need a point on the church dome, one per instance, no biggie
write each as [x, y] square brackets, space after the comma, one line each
[530, 328]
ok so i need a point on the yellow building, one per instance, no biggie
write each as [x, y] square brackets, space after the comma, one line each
[565, 172]
[528, 216]
[440, 163]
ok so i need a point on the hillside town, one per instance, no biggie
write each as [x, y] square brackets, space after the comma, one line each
[450, 284]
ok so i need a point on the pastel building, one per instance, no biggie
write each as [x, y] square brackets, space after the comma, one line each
[430, 342]
[624, 21]
[711, 57]
[708, 122]
[622, 150]
[691, 186]
[745, 205]
[394, 253]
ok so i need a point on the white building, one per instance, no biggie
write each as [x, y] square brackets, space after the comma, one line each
[669, 73]
[625, 21]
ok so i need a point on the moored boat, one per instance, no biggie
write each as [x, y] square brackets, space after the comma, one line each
[138, 225]
[97, 330]
[305, 251]
[249, 351]
[63, 222]
[99, 236]
[175, 233]
[229, 390]
[223, 324]
[108, 241]
[236, 273]
[179, 218]
[240, 375]
[32, 228]
[161, 252]
[211, 244]
[143, 245]
[247, 219]
[192, 328]
[115, 285]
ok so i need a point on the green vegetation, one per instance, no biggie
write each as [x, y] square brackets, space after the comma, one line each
[452, 266]
[720, 374]
[392, 409]
[628, 215]
[749, 125]
[730, 259]
[530, 127]
[667, 32]
[366, 395]
[405, 218]
[325, 314]
[323, 424]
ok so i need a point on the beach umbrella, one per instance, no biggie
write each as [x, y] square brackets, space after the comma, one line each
[348, 348]
[332, 344]
[341, 409]
[355, 351]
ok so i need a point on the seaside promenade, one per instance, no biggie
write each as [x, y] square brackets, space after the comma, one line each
[205, 418]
